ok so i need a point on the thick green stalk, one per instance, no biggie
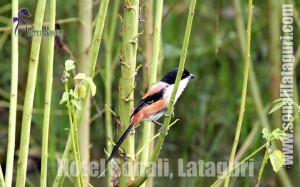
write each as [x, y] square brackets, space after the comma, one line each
[109, 41]
[244, 93]
[49, 80]
[29, 95]
[85, 40]
[147, 42]
[153, 75]
[126, 84]
[263, 164]
[158, 146]
[13, 101]
[97, 37]
[92, 64]
[255, 92]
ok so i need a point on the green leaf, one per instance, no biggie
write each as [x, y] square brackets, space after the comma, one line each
[75, 95]
[80, 91]
[277, 160]
[64, 98]
[277, 105]
[69, 62]
[77, 104]
[92, 85]
[278, 134]
[277, 100]
[69, 65]
[266, 134]
[80, 76]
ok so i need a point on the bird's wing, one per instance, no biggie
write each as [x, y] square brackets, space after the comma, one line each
[149, 100]
[155, 88]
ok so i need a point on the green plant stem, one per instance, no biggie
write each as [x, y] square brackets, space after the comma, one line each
[255, 92]
[236, 166]
[45, 138]
[263, 164]
[147, 42]
[109, 41]
[74, 133]
[29, 95]
[274, 55]
[148, 52]
[252, 154]
[158, 146]
[84, 43]
[60, 176]
[92, 64]
[244, 93]
[153, 75]
[13, 101]
[126, 83]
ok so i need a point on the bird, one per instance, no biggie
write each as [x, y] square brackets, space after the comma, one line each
[19, 19]
[154, 103]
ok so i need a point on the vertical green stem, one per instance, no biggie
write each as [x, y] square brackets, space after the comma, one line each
[92, 64]
[29, 95]
[85, 40]
[158, 146]
[244, 92]
[274, 54]
[147, 41]
[263, 164]
[255, 92]
[44, 164]
[109, 41]
[148, 130]
[74, 135]
[126, 84]
[153, 75]
[13, 100]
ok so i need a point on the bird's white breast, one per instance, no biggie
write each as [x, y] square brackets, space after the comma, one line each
[183, 83]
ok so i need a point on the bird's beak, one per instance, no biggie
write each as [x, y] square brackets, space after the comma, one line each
[192, 76]
[29, 15]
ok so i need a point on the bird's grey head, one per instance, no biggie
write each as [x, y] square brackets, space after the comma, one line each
[170, 77]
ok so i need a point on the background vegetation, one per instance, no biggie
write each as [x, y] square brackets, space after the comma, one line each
[209, 108]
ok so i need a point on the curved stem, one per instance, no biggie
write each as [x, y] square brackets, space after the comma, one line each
[244, 92]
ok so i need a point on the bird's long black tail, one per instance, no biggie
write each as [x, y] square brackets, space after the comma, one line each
[119, 143]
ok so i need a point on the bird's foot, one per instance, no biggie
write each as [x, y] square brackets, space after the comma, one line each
[157, 123]
[163, 133]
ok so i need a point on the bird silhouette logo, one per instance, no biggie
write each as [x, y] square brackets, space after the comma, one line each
[20, 20]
